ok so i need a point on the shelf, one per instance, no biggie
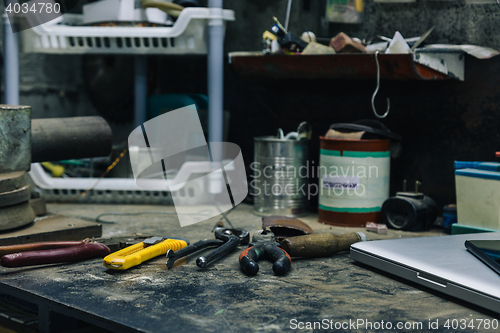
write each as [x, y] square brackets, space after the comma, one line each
[445, 65]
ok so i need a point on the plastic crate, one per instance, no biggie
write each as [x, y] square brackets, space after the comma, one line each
[66, 36]
[191, 188]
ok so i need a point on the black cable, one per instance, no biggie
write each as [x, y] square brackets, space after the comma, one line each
[99, 220]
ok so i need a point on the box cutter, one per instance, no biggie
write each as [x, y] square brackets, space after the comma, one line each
[138, 253]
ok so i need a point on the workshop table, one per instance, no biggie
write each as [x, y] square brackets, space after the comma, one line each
[151, 298]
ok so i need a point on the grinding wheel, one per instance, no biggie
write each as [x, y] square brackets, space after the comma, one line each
[15, 197]
[15, 209]
[11, 181]
[16, 216]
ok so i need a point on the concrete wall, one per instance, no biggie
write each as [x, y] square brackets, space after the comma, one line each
[454, 21]
[54, 85]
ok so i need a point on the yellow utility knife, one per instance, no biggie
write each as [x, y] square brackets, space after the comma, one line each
[138, 253]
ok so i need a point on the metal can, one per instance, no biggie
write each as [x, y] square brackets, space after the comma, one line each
[280, 176]
[353, 181]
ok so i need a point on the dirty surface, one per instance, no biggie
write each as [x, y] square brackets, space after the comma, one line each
[152, 298]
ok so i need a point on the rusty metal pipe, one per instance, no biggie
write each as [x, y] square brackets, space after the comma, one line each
[54, 139]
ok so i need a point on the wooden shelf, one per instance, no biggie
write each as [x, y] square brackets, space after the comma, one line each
[336, 66]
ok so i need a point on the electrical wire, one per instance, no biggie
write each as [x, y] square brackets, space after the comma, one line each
[98, 219]
[108, 169]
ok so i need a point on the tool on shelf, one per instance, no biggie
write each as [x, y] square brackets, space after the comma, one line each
[136, 254]
[265, 247]
[226, 241]
[289, 41]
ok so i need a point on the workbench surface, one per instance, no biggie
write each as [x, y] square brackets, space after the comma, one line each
[151, 298]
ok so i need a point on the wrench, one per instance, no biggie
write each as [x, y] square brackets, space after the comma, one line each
[231, 237]
[227, 240]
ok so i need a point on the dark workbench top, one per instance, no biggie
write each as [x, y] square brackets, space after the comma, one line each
[152, 298]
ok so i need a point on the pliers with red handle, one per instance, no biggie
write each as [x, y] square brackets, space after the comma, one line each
[51, 253]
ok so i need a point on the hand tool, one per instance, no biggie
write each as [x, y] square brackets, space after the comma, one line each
[39, 246]
[80, 252]
[231, 237]
[227, 240]
[421, 39]
[320, 245]
[118, 243]
[55, 170]
[172, 255]
[143, 251]
[59, 251]
[304, 131]
[264, 246]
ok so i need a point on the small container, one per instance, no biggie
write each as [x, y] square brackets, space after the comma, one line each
[281, 177]
[353, 180]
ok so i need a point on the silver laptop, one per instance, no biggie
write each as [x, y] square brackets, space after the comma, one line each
[440, 263]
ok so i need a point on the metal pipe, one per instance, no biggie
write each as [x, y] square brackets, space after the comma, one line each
[215, 73]
[11, 63]
[55, 139]
[288, 11]
[140, 90]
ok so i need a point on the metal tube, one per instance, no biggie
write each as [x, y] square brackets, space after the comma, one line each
[11, 63]
[140, 90]
[215, 74]
[288, 10]
[55, 139]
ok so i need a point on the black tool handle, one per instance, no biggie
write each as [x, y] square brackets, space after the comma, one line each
[279, 257]
[219, 252]
[249, 257]
[195, 247]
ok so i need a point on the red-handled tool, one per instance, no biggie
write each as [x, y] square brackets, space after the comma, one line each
[52, 256]
[38, 246]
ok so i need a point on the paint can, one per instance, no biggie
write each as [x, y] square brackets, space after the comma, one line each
[353, 180]
[280, 178]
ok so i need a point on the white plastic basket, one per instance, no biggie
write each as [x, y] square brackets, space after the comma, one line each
[186, 36]
[125, 190]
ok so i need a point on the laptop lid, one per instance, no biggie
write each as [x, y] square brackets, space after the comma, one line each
[440, 263]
